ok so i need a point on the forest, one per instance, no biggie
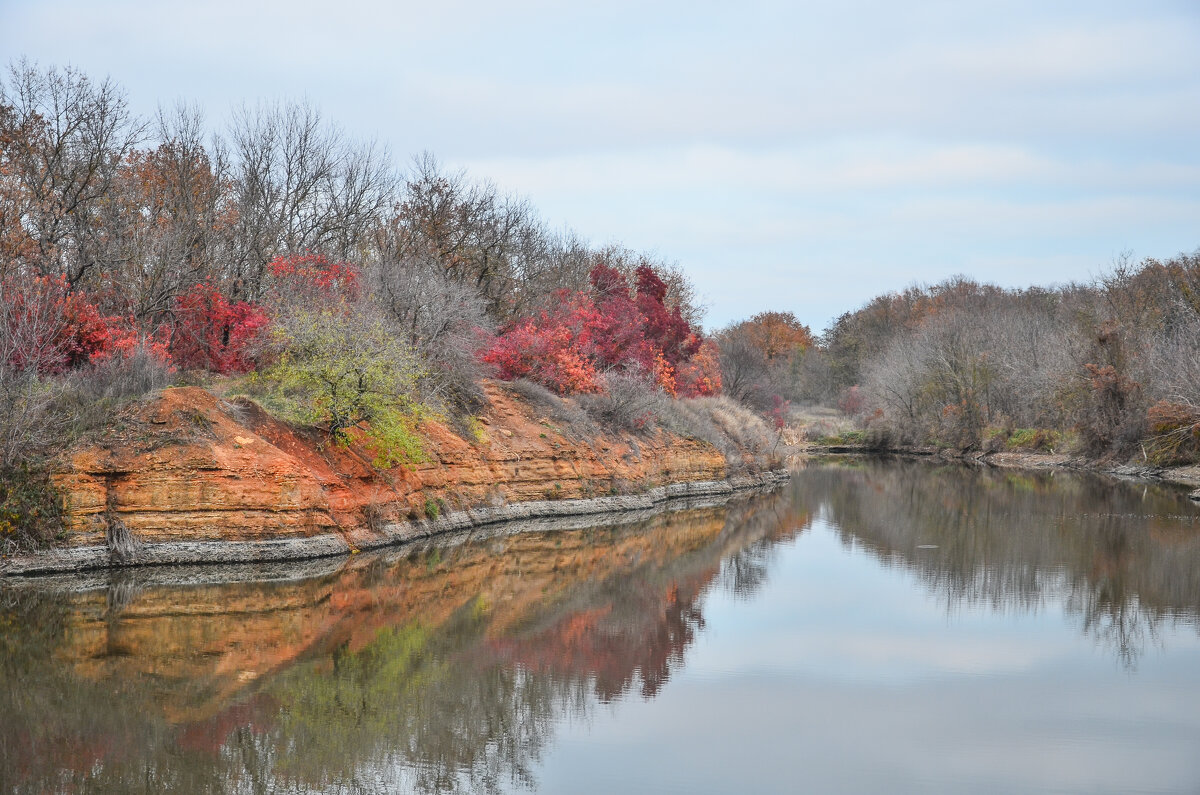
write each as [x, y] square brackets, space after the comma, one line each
[283, 259]
[1107, 370]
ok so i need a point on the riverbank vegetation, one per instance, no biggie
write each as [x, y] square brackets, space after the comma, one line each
[1107, 369]
[281, 259]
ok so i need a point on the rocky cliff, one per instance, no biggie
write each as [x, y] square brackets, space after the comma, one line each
[191, 477]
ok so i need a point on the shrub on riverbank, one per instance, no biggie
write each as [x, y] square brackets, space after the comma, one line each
[30, 509]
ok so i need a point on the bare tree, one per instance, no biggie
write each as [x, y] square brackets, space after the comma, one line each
[441, 319]
[478, 236]
[62, 142]
[301, 186]
[744, 367]
[169, 214]
[31, 326]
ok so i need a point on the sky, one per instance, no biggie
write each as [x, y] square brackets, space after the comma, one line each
[794, 156]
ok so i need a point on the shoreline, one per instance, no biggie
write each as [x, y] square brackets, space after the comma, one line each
[173, 553]
[1187, 476]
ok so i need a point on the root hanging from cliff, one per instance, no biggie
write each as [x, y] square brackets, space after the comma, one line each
[123, 588]
[122, 546]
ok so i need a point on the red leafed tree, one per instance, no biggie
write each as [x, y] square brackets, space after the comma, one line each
[664, 329]
[615, 326]
[612, 328]
[778, 334]
[48, 327]
[211, 332]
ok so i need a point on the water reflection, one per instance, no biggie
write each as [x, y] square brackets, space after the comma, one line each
[452, 665]
[438, 668]
[1121, 557]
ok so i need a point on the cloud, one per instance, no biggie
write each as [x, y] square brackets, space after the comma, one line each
[816, 153]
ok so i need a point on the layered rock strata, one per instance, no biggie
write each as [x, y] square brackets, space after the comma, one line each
[194, 478]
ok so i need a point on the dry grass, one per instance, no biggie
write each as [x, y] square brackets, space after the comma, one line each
[817, 423]
[629, 403]
[563, 412]
[632, 405]
[741, 435]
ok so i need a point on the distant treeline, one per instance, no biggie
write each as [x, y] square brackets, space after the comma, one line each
[1106, 368]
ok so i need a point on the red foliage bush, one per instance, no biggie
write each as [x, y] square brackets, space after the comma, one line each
[610, 329]
[778, 415]
[700, 376]
[312, 277]
[852, 401]
[49, 328]
[210, 332]
[551, 349]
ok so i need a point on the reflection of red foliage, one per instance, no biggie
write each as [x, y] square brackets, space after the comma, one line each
[207, 736]
[595, 643]
[77, 751]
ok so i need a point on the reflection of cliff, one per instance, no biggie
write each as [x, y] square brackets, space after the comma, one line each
[1121, 556]
[436, 667]
[650, 616]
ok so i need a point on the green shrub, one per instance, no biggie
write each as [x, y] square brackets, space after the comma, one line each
[1033, 439]
[342, 369]
[30, 508]
[853, 437]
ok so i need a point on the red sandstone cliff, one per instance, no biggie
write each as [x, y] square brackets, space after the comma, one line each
[190, 466]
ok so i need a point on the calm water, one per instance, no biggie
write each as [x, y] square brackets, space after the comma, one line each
[872, 627]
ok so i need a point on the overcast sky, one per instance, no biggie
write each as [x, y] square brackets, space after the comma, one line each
[801, 156]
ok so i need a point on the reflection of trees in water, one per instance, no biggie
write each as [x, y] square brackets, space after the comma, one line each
[461, 700]
[407, 713]
[1121, 624]
[56, 728]
[422, 679]
[744, 571]
[1121, 557]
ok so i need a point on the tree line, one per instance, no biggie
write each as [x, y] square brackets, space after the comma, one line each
[361, 297]
[1105, 368]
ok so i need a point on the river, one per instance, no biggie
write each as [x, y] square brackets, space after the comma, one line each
[872, 626]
